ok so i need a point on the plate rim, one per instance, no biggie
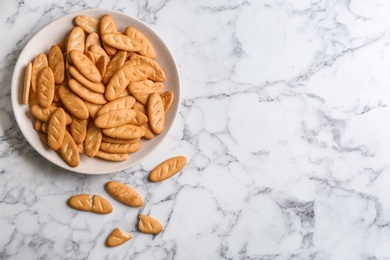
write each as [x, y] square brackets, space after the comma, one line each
[18, 75]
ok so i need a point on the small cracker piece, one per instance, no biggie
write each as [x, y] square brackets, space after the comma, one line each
[100, 205]
[149, 225]
[80, 202]
[118, 237]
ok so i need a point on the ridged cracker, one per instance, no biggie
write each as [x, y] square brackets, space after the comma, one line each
[167, 169]
[56, 128]
[85, 66]
[45, 87]
[93, 139]
[85, 93]
[147, 48]
[156, 114]
[69, 151]
[57, 64]
[124, 132]
[117, 237]
[72, 102]
[149, 225]
[115, 118]
[124, 194]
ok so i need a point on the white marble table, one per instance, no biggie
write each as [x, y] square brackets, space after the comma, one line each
[284, 119]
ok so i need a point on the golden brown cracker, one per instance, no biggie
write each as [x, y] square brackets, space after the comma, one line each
[168, 168]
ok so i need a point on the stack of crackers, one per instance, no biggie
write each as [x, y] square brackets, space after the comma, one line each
[97, 92]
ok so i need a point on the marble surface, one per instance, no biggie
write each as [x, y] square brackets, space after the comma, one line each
[284, 120]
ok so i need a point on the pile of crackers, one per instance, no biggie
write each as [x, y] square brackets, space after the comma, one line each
[97, 92]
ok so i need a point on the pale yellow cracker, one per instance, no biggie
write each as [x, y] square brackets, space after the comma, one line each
[85, 93]
[156, 114]
[114, 65]
[118, 82]
[167, 99]
[97, 87]
[38, 64]
[120, 148]
[93, 139]
[124, 132]
[57, 64]
[45, 87]
[117, 104]
[124, 194]
[78, 129]
[117, 237]
[113, 157]
[56, 128]
[76, 40]
[69, 151]
[168, 168]
[149, 225]
[121, 42]
[85, 66]
[27, 83]
[147, 48]
[73, 103]
[88, 23]
[115, 118]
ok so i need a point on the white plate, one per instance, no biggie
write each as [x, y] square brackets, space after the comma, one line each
[53, 34]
